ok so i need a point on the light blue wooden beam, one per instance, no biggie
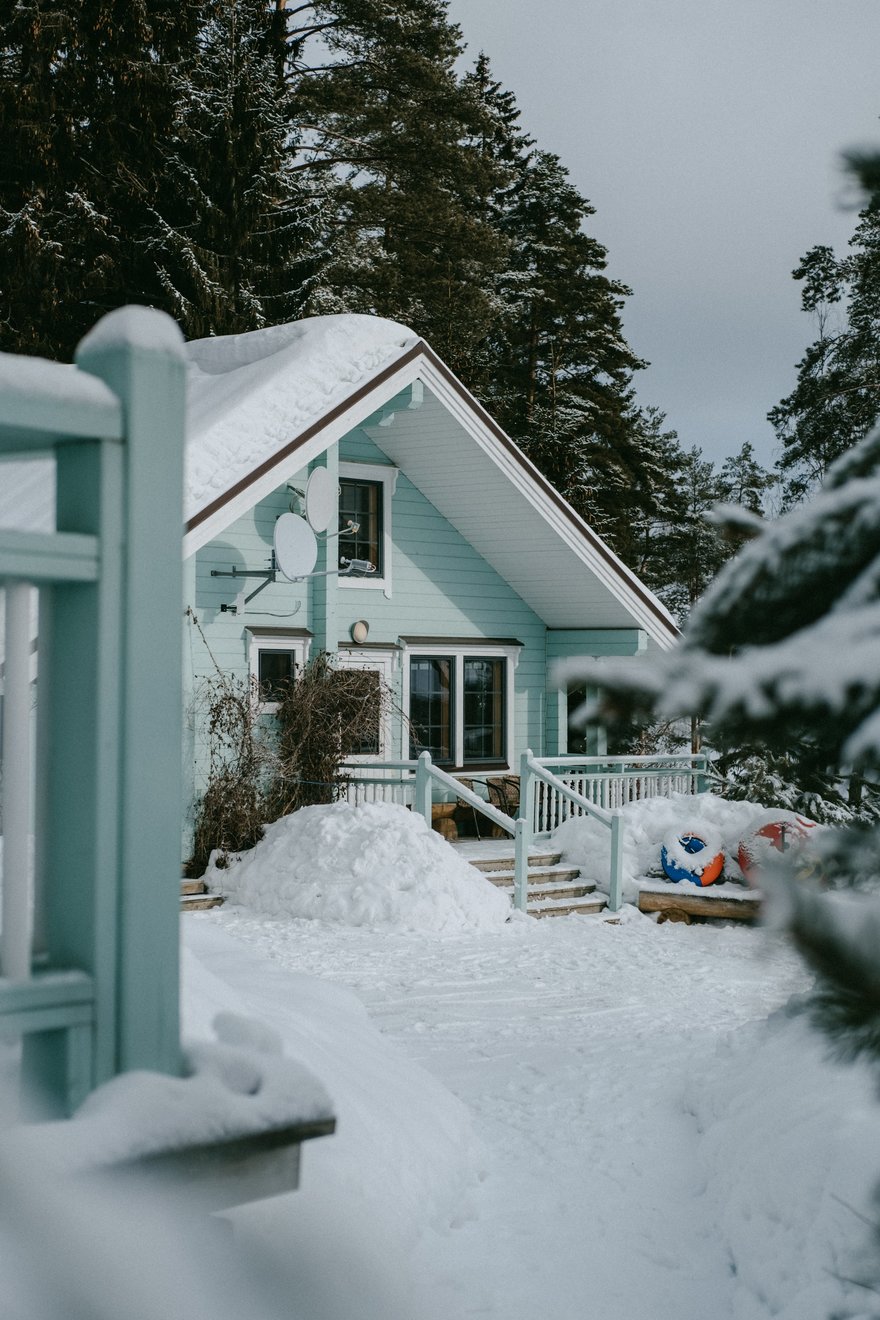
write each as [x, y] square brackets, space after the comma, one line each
[45, 404]
[78, 724]
[138, 353]
[48, 557]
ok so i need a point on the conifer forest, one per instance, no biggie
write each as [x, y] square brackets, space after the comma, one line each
[239, 164]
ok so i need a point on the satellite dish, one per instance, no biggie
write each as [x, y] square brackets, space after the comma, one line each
[320, 500]
[296, 546]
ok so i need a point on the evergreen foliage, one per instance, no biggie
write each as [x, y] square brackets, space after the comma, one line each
[233, 245]
[836, 399]
[86, 94]
[393, 129]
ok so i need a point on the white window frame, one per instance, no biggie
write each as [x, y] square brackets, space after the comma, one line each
[458, 653]
[386, 476]
[267, 642]
[385, 661]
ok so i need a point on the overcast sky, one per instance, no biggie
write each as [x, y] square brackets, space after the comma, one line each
[707, 134]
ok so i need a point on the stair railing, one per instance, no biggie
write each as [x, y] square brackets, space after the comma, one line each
[428, 774]
[533, 773]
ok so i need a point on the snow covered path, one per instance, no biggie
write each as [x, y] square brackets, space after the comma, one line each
[589, 1056]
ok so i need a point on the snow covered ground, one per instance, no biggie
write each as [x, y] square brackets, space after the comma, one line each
[575, 1117]
[579, 1118]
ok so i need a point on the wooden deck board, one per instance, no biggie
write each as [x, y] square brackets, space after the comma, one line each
[727, 903]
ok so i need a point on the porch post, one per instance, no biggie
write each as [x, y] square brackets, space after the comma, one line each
[423, 787]
[521, 839]
[615, 885]
[138, 352]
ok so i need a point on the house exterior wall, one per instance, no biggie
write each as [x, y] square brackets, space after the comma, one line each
[564, 644]
[440, 588]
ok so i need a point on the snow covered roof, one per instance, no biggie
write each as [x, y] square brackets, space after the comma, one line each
[264, 404]
[250, 395]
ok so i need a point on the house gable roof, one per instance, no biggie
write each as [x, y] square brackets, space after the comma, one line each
[312, 387]
[263, 405]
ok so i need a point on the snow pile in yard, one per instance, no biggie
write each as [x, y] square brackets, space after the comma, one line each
[375, 865]
[249, 395]
[653, 822]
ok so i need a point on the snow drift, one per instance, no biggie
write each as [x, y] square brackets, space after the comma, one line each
[374, 865]
[649, 824]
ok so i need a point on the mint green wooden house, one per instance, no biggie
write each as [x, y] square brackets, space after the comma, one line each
[484, 579]
[484, 576]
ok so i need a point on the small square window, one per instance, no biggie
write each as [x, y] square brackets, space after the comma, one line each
[275, 671]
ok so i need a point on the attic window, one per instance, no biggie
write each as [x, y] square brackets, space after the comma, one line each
[361, 502]
[365, 498]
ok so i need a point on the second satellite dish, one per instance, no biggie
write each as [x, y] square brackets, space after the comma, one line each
[320, 500]
[296, 546]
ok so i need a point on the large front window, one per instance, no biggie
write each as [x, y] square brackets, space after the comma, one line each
[483, 709]
[431, 706]
[459, 706]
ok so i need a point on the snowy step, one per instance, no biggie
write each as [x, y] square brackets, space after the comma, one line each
[564, 907]
[200, 902]
[538, 876]
[194, 896]
[502, 863]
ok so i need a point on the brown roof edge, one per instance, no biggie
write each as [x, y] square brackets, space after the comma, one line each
[550, 490]
[297, 443]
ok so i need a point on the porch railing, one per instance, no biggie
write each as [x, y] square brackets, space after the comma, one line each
[612, 782]
[91, 781]
[552, 789]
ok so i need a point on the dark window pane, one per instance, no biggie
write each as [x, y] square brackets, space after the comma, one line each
[275, 672]
[577, 732]
[367, 744]
[430, 706]
[484, 710]
[361, 502]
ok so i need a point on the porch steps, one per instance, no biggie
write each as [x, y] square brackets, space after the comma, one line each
[555, 890]
[194, 896]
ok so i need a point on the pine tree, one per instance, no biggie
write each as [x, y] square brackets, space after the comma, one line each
[144, 159]
[391, 127]
[836, 399]
[563, 380]
[231, 240]
[54, 241]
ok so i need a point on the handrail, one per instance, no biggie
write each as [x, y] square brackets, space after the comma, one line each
[532, 770]
[520, 828]
[574, 759]
[471, 798]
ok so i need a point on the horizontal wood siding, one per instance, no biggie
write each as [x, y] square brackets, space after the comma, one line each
[442, 587]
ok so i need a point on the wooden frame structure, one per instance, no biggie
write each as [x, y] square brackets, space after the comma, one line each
[89, 964]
